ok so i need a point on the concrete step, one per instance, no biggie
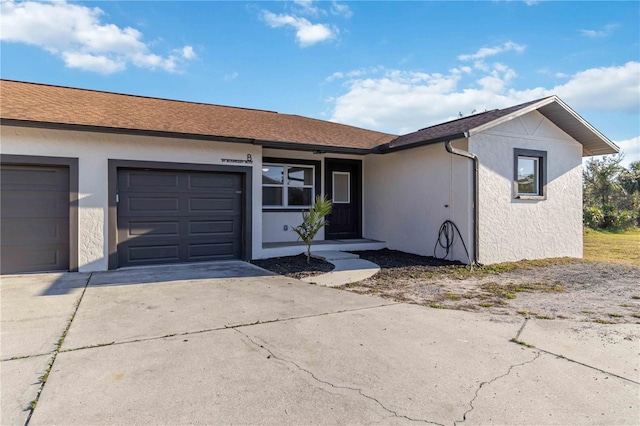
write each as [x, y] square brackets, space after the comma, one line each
[329, 255]
[346, 271]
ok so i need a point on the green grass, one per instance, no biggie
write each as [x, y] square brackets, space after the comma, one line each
[612, 247]
[522, 342]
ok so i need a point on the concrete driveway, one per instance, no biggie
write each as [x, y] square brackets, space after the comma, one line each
[227, 342]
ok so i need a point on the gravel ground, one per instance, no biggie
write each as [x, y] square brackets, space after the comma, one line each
[548, 289]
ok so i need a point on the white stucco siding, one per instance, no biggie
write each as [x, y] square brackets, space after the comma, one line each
[274, 222]
[513, 229]
[410, 193]
[93, 151]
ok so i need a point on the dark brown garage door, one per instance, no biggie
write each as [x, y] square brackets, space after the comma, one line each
[178, 216]
[34, 218]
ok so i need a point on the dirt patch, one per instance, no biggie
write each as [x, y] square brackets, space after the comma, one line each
[543, 289]
[548, 289]
[295, 266]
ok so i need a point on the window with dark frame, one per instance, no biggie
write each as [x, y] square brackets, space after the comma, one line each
[287, 185]
[530, 174]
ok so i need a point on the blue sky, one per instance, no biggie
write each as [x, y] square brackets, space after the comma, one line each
[389, 66]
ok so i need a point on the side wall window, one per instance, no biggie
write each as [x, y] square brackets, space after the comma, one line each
[529, 174]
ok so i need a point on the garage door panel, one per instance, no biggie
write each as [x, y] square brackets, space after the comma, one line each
[213, 205]
[45, 203]
[154, 253]
[31, 178]
[213, 227]
[143, 180]
[29, 259]
[211, 251]
[223, 181]
[137, 204]
[200, 221]
[34, 218]
[20, 231]
[152, 228]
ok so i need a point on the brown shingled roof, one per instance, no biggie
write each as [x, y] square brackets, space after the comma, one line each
[451, 129]
[36, 104]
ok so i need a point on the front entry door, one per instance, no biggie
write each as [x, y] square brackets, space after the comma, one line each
[343, 186]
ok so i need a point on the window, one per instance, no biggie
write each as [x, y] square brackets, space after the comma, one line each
[285, 185]
[530, 174]
[341, 187]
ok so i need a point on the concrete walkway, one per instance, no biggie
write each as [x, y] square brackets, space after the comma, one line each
[349, 268]
[230, 343]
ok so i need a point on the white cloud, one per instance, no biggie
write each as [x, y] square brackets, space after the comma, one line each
[341, 9]
[306, 7]
[188, 53]
[631, 149]
[76, 34]
[89, 62]
[404, 101]
[353, 73]
[307, 33]
[604, 32]
[232, 76]
[485, 52]
[607, 88]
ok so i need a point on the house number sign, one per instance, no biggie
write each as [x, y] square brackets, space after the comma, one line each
[249, 160]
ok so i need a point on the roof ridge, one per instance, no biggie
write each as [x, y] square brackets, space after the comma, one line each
[135, 96]
[457, 119]
[514, 107]
[338, 123]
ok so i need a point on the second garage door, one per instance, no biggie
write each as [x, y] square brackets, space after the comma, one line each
[34, 218]
[178, 216]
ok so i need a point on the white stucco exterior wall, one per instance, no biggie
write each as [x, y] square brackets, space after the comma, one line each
[513, 229]
[409, 194]
[93, 151]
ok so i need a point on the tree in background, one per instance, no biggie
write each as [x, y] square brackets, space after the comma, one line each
[611, 193]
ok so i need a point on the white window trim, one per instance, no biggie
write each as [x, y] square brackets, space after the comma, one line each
[333, 187]
[285, 185]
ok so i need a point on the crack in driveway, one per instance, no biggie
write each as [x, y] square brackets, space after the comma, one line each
[359, 391]
[464, 416]
[573, 360]
[45, 376]
[222, 327]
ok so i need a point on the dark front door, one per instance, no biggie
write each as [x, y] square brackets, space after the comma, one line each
[167, 216]
[34, 219]
[343, 185]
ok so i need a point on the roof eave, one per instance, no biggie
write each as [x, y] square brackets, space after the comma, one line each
[297, 146]
[316, 148]
[384, 149]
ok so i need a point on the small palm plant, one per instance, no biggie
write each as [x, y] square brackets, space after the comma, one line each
[313, 221]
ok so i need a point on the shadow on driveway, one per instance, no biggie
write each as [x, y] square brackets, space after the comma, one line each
[154, 274]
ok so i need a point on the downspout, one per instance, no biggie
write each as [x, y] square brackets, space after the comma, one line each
[476, 216]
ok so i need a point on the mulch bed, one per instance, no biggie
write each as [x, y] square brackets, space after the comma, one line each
[295, 266]
[394, 264]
